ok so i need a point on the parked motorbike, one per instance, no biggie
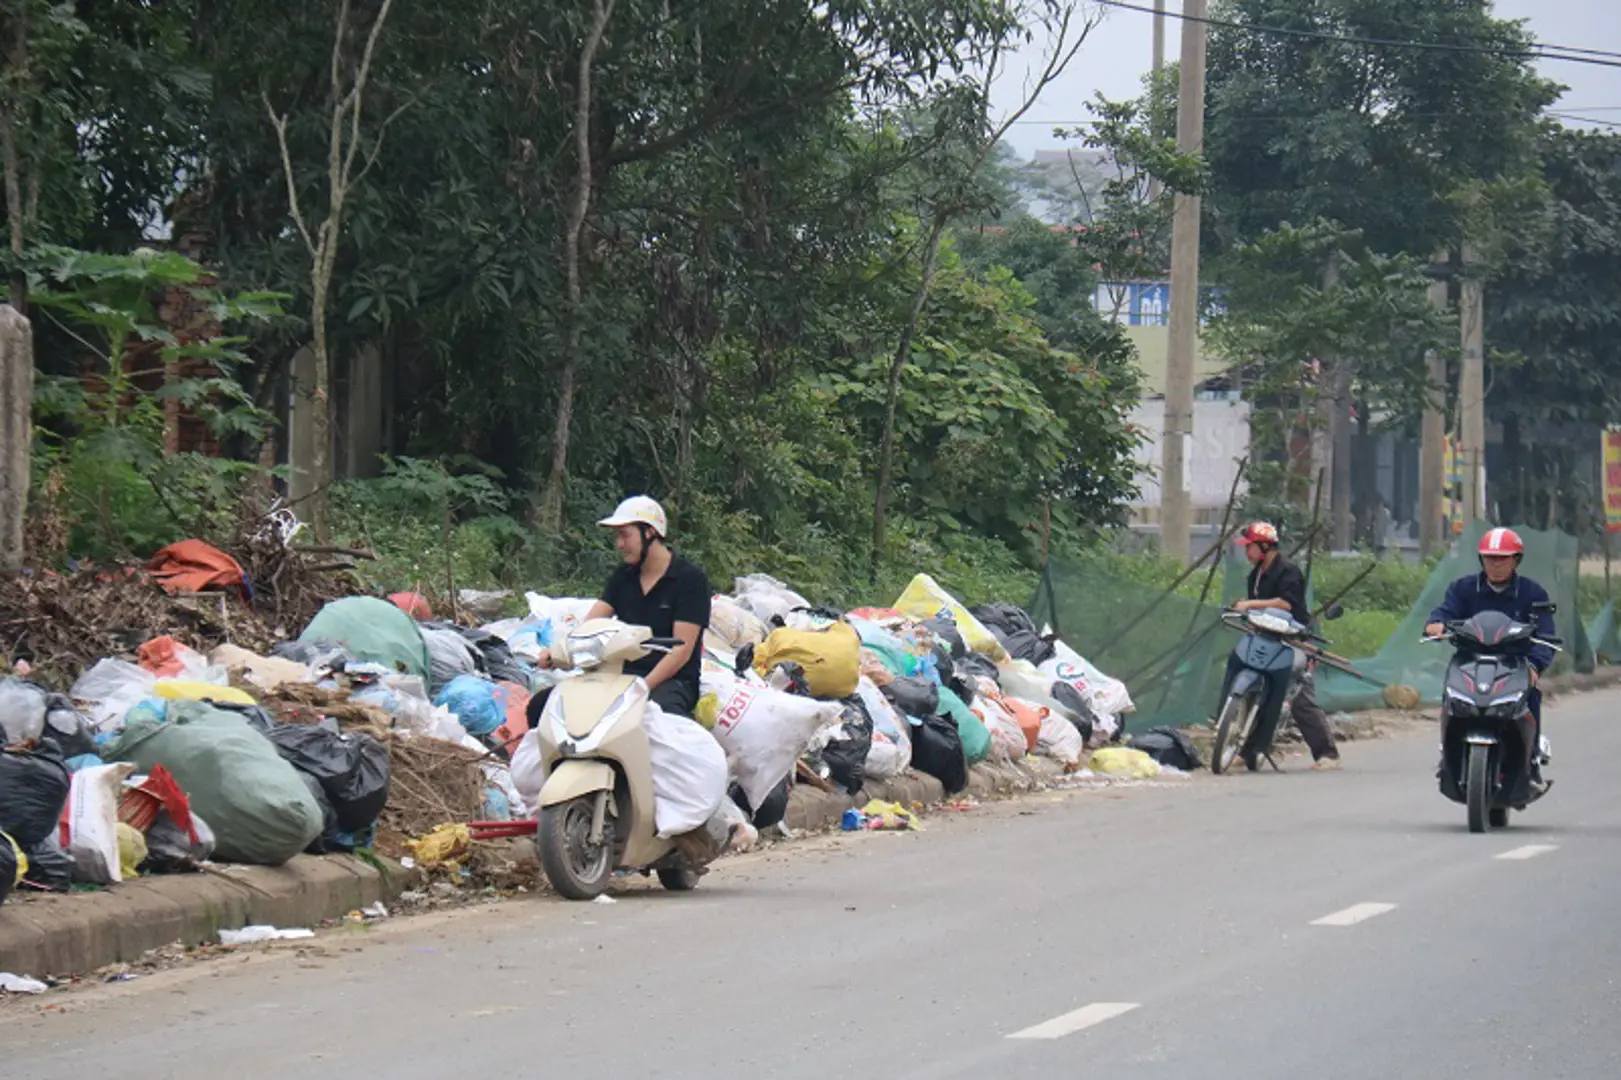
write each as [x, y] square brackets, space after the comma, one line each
[1272, 658]
[596, 806]
[1488, 736]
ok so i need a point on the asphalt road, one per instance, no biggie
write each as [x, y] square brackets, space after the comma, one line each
[1143, 933]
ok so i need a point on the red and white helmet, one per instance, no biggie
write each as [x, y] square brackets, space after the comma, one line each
[1502, 542]
[1258, 532]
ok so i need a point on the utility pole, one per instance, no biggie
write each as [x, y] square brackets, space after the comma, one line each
[1159, 35]
[1472, 389]
[1176, 504]
[1432, 454]
[1155, 188]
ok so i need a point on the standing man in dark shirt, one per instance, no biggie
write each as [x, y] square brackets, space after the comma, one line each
[1277, 583]
[656, 588]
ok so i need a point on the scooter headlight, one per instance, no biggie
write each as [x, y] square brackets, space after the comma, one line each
[1505, 708]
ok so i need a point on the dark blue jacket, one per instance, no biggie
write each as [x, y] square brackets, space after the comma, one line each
[1469, 596]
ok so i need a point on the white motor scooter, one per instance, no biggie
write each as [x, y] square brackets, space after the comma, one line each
[596, 805]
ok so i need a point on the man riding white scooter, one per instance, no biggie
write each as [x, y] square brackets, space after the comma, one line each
[656, 588]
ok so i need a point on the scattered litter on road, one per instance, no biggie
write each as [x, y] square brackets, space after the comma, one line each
[253, 935]
[605, 899]
[17, 984]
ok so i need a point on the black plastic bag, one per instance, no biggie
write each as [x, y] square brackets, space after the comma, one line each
[49, 867]
[846, 758]
[498, 659]
[937, 750]
[914, 696]
[170, 850]
[8, 866]
[745, 658]
[352, 769]
[772, 810]
[1016, 630]
[33, 789]
[323, 844]
[944, 628]
[1168, 746]
[977, 666]
[1080, 710]
[321, 651]
[71, 731]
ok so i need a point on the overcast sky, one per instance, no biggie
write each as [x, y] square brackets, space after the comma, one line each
[1120, 50]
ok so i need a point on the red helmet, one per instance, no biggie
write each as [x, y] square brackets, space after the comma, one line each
[1502, 542]
[1258, 532]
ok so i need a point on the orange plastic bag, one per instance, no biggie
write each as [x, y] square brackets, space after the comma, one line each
[166, 658]
[515, 701]
[1029, 717]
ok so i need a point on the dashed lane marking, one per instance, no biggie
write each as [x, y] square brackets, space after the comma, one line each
[1079, 1020]
[1354, 914]
[1529, 851]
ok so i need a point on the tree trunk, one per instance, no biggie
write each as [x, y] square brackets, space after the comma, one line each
[11, 161]
[903, 356]
[551, 507]
[1511, 497]
[1340, 487]
[16, 432]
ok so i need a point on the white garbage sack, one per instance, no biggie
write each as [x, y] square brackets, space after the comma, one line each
[22, 712]
[1060, 740]
[1108, 696]
[763, 732]
[766, 597]
[91, 817]
[891, 752]
[733, 626]
[528, 776]
[1007, 737]
[107, 692]
[689, 771]
[1020, 679]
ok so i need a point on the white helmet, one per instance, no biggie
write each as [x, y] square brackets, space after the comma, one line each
[638, 510]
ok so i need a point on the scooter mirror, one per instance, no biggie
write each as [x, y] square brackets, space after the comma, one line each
[1334, 611]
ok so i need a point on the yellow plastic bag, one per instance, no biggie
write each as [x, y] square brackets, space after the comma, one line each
[19, 857]
[893, 815]
[445, 844]
[181, 690]
[925, 599]
[831, 657]
[131, 851]
[1125, 763]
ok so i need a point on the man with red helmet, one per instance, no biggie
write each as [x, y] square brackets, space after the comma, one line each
[1501, 587]
[1277, 583]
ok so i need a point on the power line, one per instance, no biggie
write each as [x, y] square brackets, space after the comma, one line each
[1568, 54]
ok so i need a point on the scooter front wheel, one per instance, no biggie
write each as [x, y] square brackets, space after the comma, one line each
[577, 868]
[1232, 729]
[1479, 793]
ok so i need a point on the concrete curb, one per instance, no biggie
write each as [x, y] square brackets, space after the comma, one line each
[810, 810]
[71, 934]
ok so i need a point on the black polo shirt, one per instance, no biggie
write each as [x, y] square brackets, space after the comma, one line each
[681, 595]
[1282, 581]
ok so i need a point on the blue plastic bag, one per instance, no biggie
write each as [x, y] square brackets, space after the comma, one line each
[476, 703]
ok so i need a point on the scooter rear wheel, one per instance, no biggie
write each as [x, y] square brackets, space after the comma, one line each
[577, 869]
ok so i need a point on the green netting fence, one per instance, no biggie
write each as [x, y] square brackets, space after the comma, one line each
[1171, 650]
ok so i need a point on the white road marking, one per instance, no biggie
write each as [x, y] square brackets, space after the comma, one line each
[1354, 914]
[1529, 851]
[1079, 1020]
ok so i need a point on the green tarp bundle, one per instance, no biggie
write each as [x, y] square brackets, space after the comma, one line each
[374, 631]
[257, 805]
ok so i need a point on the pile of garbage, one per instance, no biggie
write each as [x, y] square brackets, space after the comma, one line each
[381, 727]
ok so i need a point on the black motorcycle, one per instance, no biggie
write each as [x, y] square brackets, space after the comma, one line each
[1272, 658]
[1488, 736]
